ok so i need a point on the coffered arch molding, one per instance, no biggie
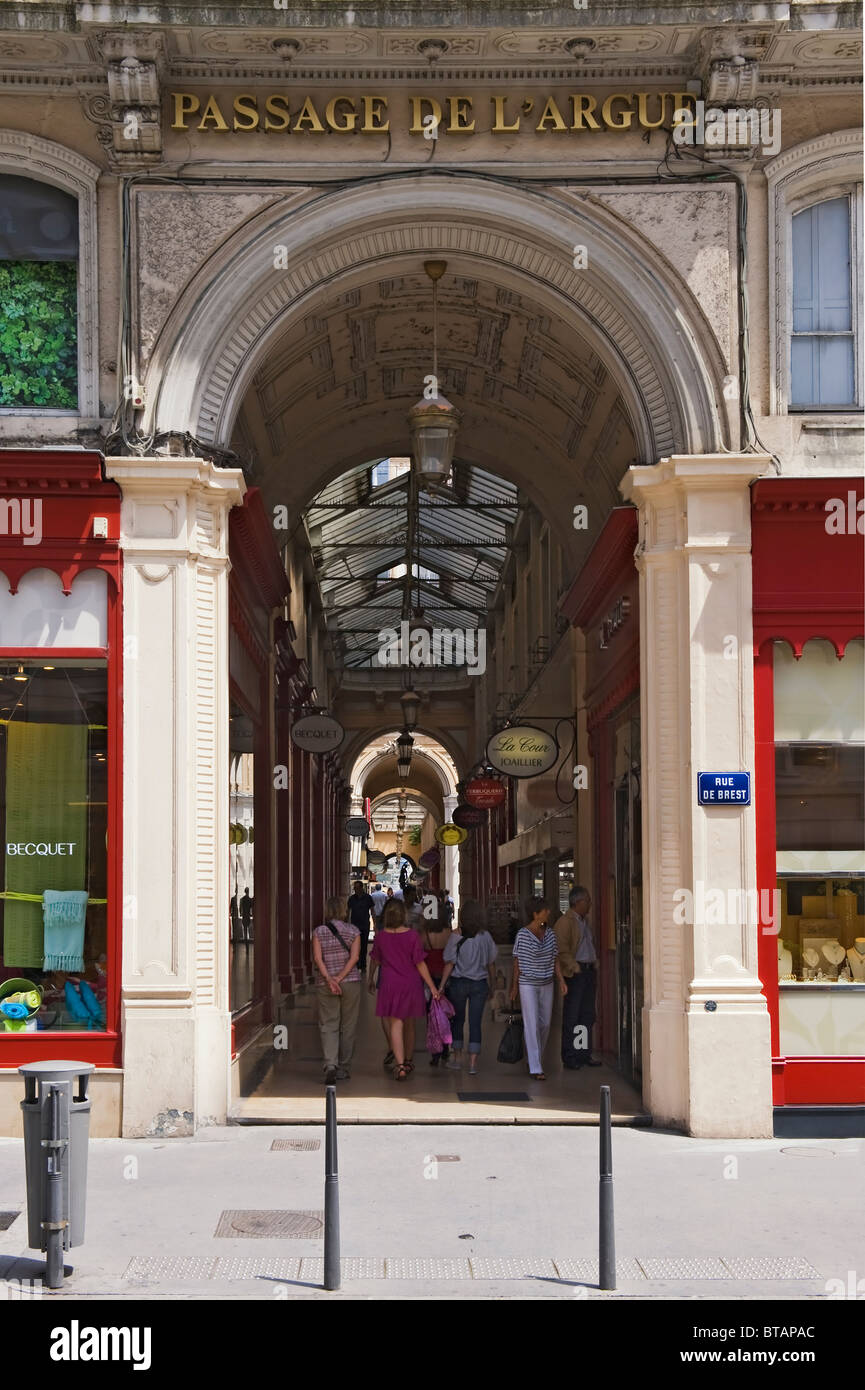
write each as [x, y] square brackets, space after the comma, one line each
[630, 306]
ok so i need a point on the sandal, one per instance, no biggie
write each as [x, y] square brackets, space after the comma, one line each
[401, 1071]
[409, 1066]
[389, 1060]
[538, 1076]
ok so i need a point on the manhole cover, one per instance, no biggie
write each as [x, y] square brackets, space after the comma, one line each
[809, 1153]
[493, 1097]
[270, 1225]
[297, 1145]
[6, 1219]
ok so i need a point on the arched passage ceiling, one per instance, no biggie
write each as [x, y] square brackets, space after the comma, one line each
[539, 406]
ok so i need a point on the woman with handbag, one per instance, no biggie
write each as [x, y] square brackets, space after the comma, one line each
[469, 974]
[535, 967]
[398, 952]
[335, 951]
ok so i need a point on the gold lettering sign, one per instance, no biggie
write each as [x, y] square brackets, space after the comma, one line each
[283, 113]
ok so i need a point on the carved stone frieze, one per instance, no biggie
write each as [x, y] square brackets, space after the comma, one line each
[728, 64]
[128, 110]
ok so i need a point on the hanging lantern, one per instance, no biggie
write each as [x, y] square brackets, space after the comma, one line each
[433, 421]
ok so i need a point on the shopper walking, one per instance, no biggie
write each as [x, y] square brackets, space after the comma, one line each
[469, 979]
[398, 952]
[535, 968]
[379, 898]
[435, 938]
[360, 910]
[335, 951]
[445, 908]
[578, 960]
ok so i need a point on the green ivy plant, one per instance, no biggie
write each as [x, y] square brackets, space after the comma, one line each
[39, 334]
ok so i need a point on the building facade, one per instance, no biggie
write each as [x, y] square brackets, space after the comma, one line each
[237, 243]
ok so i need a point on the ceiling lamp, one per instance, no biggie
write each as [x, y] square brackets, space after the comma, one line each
[20, 675]
[410, 702]
[404, 744]
[433, 420]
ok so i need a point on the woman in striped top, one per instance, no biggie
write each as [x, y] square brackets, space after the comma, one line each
[535, 967]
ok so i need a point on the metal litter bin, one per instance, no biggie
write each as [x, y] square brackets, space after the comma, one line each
[56, 1112]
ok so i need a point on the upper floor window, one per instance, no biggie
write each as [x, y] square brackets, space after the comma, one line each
[822, 347]
[38, 295]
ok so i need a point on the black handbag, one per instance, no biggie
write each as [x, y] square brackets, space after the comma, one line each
[511, 1045]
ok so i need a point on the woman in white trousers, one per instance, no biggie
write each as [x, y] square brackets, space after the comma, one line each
[536, 967]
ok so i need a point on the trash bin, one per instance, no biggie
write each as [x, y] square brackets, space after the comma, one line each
[74, 1112]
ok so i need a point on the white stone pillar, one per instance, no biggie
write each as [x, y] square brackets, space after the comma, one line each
[175, 1007]
[707, 1069]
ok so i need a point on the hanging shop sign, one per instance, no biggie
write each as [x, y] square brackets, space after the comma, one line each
[485, 791]
[450, 834]
[522, 751]
[470, 817]
[317, 733]
[614, 620]
[724, 788]
[429, 859]
[375, 859]
[357, 827]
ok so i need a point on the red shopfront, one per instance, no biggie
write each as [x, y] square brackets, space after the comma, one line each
[807, 547]
[60, 758]
[604, 603]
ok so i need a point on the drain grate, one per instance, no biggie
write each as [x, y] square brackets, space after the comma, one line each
[270, 1225]
[310, 1146]
[494, 1097]
[7, 1217]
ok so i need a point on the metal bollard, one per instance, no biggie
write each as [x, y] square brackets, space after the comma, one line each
[606, 1231]
[331, 1195]
[54, 1226]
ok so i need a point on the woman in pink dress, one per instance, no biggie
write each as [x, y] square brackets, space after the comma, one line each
[399, 954]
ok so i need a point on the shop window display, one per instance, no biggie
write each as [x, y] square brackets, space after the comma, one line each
[54, 955]
[820, 839]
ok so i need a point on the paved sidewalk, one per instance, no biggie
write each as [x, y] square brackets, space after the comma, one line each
[291, 1092]
[455, 1212]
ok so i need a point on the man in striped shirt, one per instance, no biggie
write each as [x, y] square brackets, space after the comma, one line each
[535, 967]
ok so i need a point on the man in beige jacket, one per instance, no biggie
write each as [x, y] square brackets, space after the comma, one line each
[578, 960]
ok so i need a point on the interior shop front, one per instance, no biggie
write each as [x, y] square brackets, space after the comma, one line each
[60, 823]
[810, 708]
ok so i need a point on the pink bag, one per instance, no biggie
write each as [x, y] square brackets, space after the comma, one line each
[438, 1028]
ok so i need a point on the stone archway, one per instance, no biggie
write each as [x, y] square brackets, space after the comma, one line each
[636, 312]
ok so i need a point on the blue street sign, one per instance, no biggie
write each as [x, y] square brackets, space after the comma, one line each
[724, 788]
